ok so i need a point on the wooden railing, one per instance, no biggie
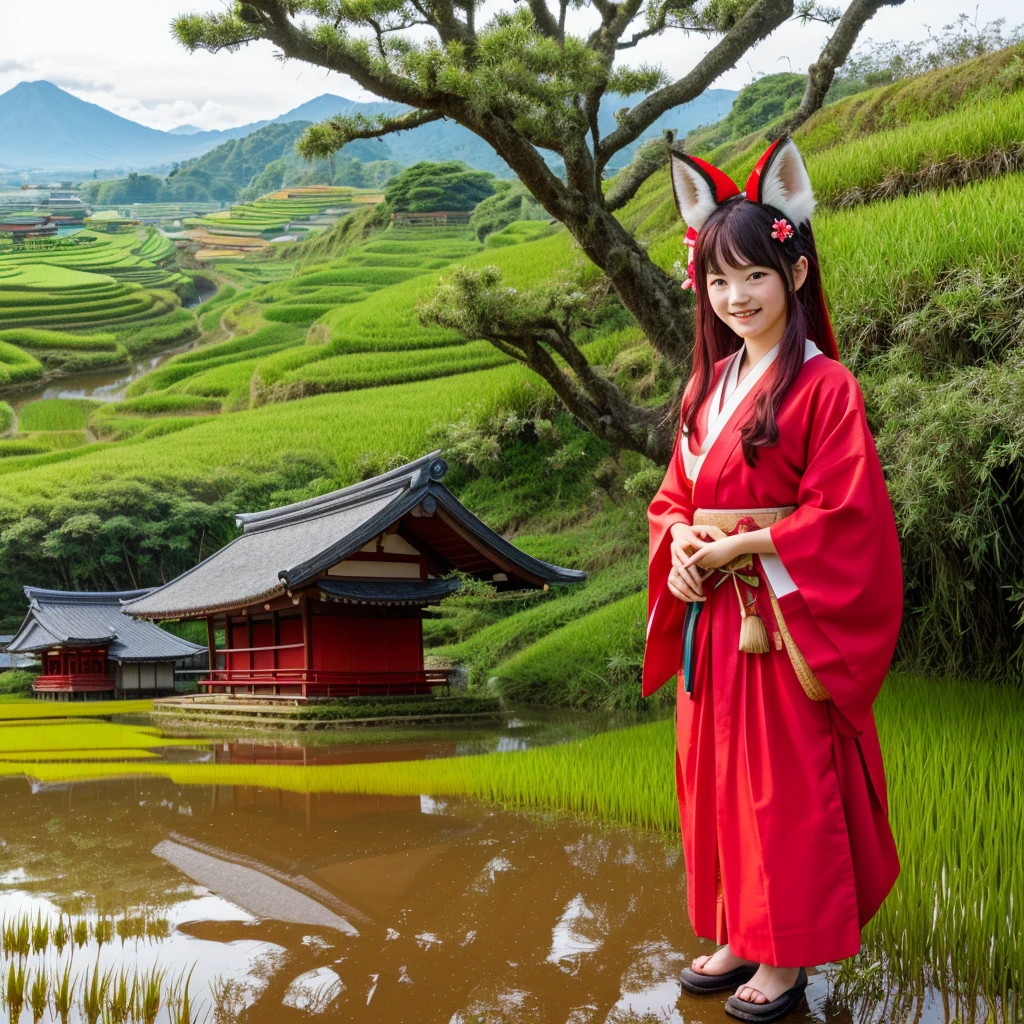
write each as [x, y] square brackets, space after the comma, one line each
[315, 683]
[75, 683]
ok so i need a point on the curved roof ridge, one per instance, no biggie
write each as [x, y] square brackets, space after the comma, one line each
[84, 596]
[429, 466]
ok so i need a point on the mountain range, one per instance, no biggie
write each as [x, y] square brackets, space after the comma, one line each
[45, 128]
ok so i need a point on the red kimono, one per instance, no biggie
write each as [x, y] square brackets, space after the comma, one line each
[782, 799]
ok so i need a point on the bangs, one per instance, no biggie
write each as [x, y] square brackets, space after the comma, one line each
[738, 235]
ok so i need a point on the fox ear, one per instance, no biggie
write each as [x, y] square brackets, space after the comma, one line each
[699, 188]
[780, 179]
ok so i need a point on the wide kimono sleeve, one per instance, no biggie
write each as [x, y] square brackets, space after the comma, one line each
[672, 504]
[841, 549]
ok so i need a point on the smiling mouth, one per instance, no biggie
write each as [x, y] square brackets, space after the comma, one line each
[746, 314]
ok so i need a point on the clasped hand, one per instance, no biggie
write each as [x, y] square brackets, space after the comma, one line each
[695, 552]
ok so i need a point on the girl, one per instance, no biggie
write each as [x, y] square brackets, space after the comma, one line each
[775, 596]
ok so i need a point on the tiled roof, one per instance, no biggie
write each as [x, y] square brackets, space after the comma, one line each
[285, 547]
[82, 619]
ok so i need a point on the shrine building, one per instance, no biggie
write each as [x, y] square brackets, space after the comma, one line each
[89, 648]
[327, 597]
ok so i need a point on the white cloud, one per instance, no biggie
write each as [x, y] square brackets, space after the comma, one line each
[128, 62]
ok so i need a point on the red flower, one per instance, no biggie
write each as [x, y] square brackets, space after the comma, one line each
[782, 229]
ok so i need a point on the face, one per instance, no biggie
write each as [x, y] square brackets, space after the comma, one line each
[752, 299]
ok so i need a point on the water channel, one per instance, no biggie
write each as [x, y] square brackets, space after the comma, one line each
[108, 385]
[290, 906]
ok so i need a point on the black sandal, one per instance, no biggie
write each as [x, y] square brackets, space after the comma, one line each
[701, 984]
[741, 1009]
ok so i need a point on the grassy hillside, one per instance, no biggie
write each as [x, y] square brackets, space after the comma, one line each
[314, 371]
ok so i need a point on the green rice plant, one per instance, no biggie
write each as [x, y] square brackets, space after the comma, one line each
[11, 449]
[64, 993]
[81, 932]
[149, 995]
[61, 935]
[15, 991]
[17, 366]
[118, 1001]
[593, 661]
[103, 930]
[6, 418]
[94, 993]
[56, 414]
[56, 440]
[34, 710]
[38, 995]
[36, 338]
[40, 933]
[344, 373]
[20, 938]
[179, 1002]
[974, 140]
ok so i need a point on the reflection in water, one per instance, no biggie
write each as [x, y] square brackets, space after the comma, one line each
[369, 908]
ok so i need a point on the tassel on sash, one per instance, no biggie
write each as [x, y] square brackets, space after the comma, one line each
[753, 632]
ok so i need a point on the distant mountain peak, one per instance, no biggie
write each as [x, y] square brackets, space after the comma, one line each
[184, 129]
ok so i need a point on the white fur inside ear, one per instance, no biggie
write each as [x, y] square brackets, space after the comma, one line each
[694, 195]
[786, 186]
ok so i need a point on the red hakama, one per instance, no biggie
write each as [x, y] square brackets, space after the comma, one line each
[782, 799]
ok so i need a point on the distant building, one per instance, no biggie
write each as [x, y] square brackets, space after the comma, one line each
[110, 221]
[11, 661]
[20, 226]
[326, 597]
[89, 648]
[439, 218]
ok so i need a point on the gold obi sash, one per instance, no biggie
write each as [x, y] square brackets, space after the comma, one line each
[753, 634]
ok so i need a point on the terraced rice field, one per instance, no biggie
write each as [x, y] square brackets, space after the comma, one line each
[243, 227]
[87, 302]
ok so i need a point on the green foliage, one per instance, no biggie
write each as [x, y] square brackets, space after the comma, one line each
[906, 102]
[136, 188]
[765, 100]
[426, 186]
[6, 418]
[17, 682]
[398, 707]
[510, 202]
[882, 62]
[594, 661]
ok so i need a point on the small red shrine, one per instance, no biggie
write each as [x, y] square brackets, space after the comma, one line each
[327, 597]
[89, 648]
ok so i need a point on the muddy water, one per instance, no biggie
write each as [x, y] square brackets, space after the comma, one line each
[364, 908]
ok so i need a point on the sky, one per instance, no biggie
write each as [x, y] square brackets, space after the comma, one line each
[120, 55]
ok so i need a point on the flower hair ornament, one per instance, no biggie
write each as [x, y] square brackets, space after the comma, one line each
[779, 180]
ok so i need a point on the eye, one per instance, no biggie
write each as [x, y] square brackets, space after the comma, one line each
[717, 281]
[757, 275]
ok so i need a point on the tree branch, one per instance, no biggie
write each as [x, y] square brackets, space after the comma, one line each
[651, 156]
[822, 72]
[759, 21]
[327, 137]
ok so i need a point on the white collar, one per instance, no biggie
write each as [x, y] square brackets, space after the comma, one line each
[735, 395]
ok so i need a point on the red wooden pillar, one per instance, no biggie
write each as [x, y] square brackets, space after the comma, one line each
[307, 636]
[211, 647]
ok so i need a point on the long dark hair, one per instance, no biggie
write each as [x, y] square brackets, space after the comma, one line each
[739, 234]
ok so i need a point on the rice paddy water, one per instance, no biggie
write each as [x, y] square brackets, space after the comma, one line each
[346, 872]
